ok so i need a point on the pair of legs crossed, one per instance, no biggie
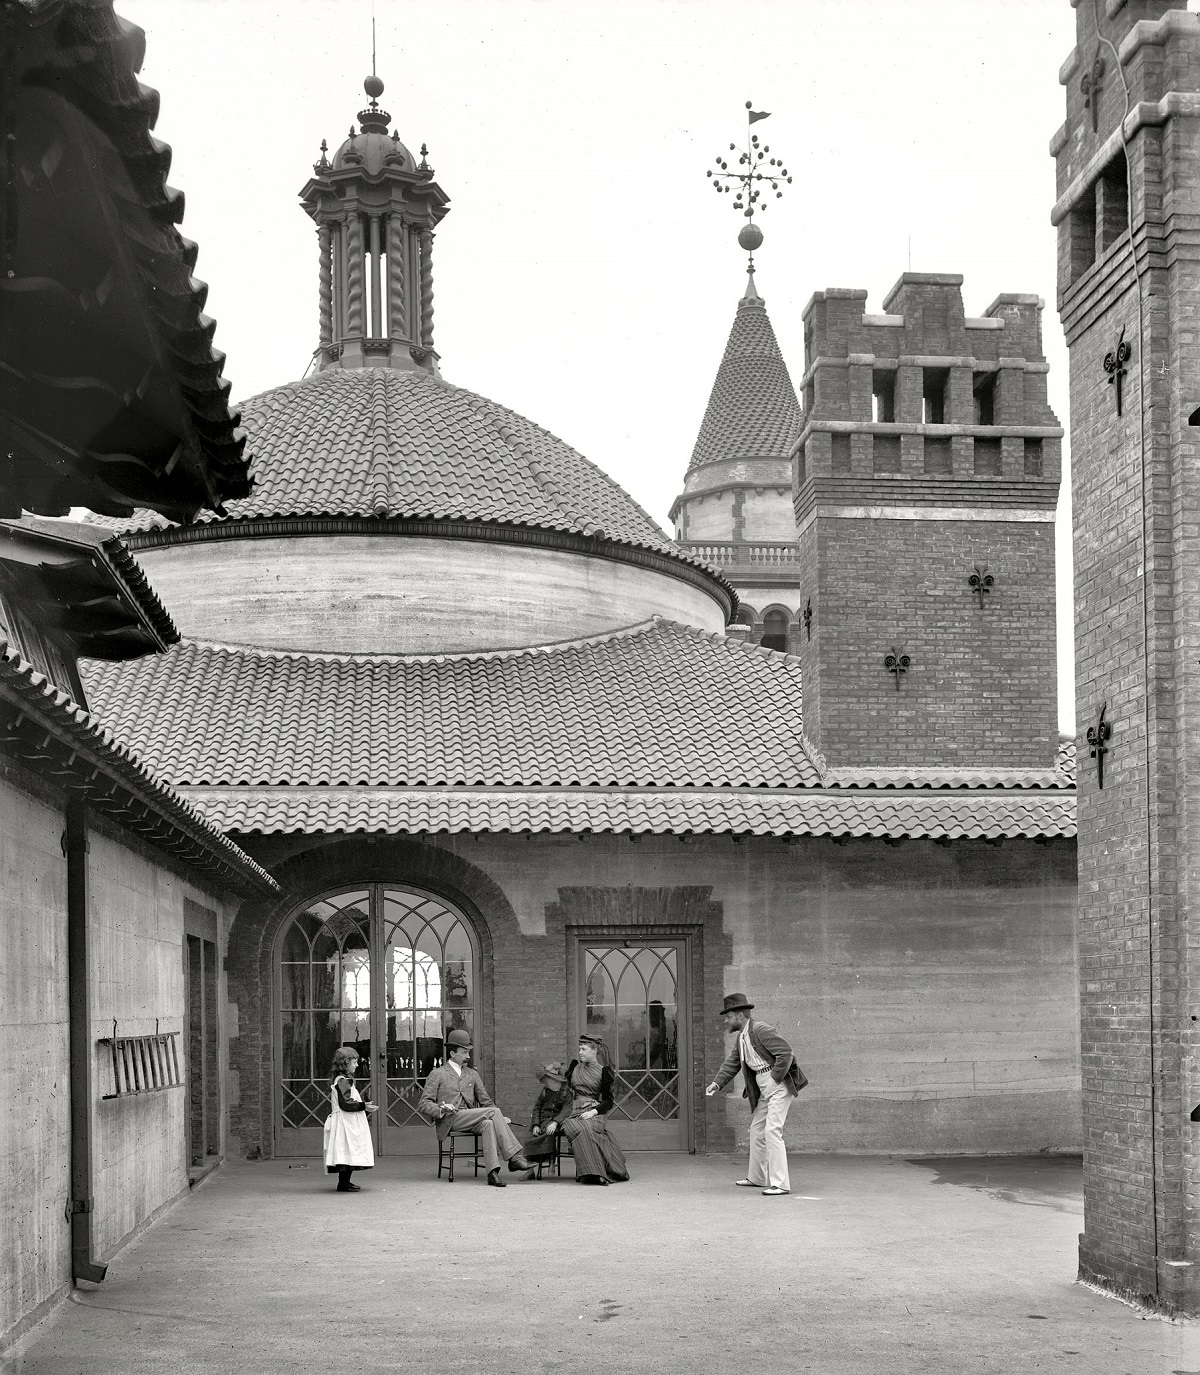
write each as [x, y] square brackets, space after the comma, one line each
[495, 1138]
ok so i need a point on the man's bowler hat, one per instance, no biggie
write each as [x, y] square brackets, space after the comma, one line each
[736, 1002]
[459, 1040]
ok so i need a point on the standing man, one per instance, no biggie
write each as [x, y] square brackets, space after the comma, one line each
[773, 1079]
[454, 1097]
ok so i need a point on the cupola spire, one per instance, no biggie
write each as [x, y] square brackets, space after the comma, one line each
[375, 209]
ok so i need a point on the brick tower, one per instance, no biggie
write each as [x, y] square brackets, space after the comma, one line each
[925, 481]
[1128, 219]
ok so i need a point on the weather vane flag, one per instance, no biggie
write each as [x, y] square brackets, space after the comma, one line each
[754, 173]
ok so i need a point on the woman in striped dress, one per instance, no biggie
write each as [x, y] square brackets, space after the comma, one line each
[598, 1158]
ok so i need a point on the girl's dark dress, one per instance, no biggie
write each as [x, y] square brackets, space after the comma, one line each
[553, 1105]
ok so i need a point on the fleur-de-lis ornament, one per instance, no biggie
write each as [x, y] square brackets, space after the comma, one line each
[897, 663]
[981, 583]
[1091, 88]
[1098, 737]
[1114, 365]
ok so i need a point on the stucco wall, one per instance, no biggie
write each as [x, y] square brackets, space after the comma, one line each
[376, 594]
[708, 517]
[136, 935]
[137, 957]
[35, 1127]
[767, 514]
[928, 990]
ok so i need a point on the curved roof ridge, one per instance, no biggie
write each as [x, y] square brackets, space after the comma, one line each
[512, 441]
[379, 480]
[550, 481]
[737, 646]
[241, 649]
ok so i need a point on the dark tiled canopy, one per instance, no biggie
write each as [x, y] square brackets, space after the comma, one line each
[113, 397]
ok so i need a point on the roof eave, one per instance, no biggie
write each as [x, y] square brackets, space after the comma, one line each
[42, 729]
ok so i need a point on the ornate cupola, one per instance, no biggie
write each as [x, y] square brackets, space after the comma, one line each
[376, 208]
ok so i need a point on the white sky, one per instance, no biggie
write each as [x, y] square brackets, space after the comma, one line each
[587, 275]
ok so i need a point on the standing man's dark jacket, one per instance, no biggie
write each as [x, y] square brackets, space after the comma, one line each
[774, 1049]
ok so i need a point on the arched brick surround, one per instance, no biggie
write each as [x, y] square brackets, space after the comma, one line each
[630, 912]
[327, 864]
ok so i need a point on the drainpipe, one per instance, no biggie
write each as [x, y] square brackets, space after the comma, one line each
[83, 1264]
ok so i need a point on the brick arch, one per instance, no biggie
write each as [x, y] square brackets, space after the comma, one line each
[327, 864]
[782, 610]
[784, 613]
[689, 910]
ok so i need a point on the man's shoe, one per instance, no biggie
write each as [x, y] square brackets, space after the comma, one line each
[518, 1162]
[747, 1184]
[775, 1190]
[348, 1189]
[494, 1179]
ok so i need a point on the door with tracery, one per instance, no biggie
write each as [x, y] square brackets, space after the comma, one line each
[388, 970]
[633, 994]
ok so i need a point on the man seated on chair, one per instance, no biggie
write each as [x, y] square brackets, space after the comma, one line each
[456, 1100]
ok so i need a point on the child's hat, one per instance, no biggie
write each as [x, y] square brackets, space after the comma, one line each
[553, 1072]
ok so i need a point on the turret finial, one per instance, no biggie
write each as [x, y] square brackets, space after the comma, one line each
[374, 119]
[749, 194]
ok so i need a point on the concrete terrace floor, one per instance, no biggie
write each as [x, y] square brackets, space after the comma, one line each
[872, 1264]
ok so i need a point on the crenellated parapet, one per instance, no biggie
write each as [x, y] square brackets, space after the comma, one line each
[924, 404]
[1125, 156]
[924, 483]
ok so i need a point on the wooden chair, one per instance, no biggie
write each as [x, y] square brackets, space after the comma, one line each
[553, 1164]
[448, 1152]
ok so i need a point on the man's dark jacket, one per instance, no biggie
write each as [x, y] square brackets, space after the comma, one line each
[768, 1043]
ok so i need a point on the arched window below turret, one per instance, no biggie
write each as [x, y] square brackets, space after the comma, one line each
[775, 626]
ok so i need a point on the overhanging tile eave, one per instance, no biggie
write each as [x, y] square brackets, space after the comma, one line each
[777, 813]
[42, 729]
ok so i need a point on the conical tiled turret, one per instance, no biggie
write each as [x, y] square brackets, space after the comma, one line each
[752, 410]
[735, 510]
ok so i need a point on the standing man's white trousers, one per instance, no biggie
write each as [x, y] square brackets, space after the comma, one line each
[768, 1154]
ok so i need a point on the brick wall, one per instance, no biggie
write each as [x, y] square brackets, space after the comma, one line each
[929, 990]
[1137, 574]
[981, 680]
[900, 500]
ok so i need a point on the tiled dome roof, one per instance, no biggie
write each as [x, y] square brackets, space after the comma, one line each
[382, 443]
[752, 409]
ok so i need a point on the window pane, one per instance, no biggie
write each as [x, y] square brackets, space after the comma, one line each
[294, 985]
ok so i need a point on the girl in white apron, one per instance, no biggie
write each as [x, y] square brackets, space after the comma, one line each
[347, 1131]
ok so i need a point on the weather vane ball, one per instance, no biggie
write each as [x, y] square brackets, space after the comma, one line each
[755, 172]
[373, 86]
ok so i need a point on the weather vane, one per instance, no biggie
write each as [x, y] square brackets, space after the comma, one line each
[756, 169]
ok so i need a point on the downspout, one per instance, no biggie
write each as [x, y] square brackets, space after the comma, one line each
[83, 1264]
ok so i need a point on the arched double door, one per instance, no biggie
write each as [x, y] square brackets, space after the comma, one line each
[384, 968]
